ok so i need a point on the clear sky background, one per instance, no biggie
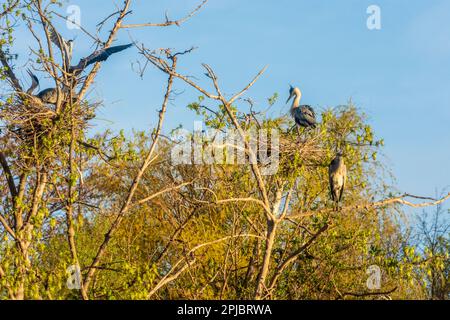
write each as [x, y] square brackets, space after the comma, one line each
[399, 75]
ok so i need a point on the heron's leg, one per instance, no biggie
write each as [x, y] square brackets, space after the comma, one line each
[337, 206]
[333, 205]
[292, 128]
[298, 135]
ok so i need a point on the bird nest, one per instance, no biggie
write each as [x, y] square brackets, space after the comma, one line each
[22, 113]
[305, 150]
[37, 128]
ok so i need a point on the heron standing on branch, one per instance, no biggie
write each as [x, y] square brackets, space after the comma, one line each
[338, 176]
[303, 115]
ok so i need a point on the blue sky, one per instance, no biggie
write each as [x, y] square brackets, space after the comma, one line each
[398, 75]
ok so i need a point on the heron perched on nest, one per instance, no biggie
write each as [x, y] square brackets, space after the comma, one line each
[49, 95]
[303, 115]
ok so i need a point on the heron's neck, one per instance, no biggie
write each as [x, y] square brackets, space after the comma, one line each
[296, 101]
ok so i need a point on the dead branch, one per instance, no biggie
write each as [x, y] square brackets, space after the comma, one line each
[378, 204]
[128, 202]
[168, 22]
[366, 294]
[190, 254]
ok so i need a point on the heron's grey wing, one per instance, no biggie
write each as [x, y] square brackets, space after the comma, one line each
[56, 38]
[103, 54]
[62, 44]
[309, 113]
[49, 95]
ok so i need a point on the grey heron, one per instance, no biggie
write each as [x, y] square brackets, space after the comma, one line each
[303, 115]
[337, 172]
[49, 95]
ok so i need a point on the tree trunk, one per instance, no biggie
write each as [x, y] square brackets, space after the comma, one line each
[270, 238]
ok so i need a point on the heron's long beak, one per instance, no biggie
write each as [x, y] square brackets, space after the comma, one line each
[290, 97]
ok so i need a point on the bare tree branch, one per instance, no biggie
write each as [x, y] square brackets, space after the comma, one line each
[128, 202]
[172, 274]
[167, 22]
[294, 256]
[367, 206]
[366, 294]
[161, 192]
